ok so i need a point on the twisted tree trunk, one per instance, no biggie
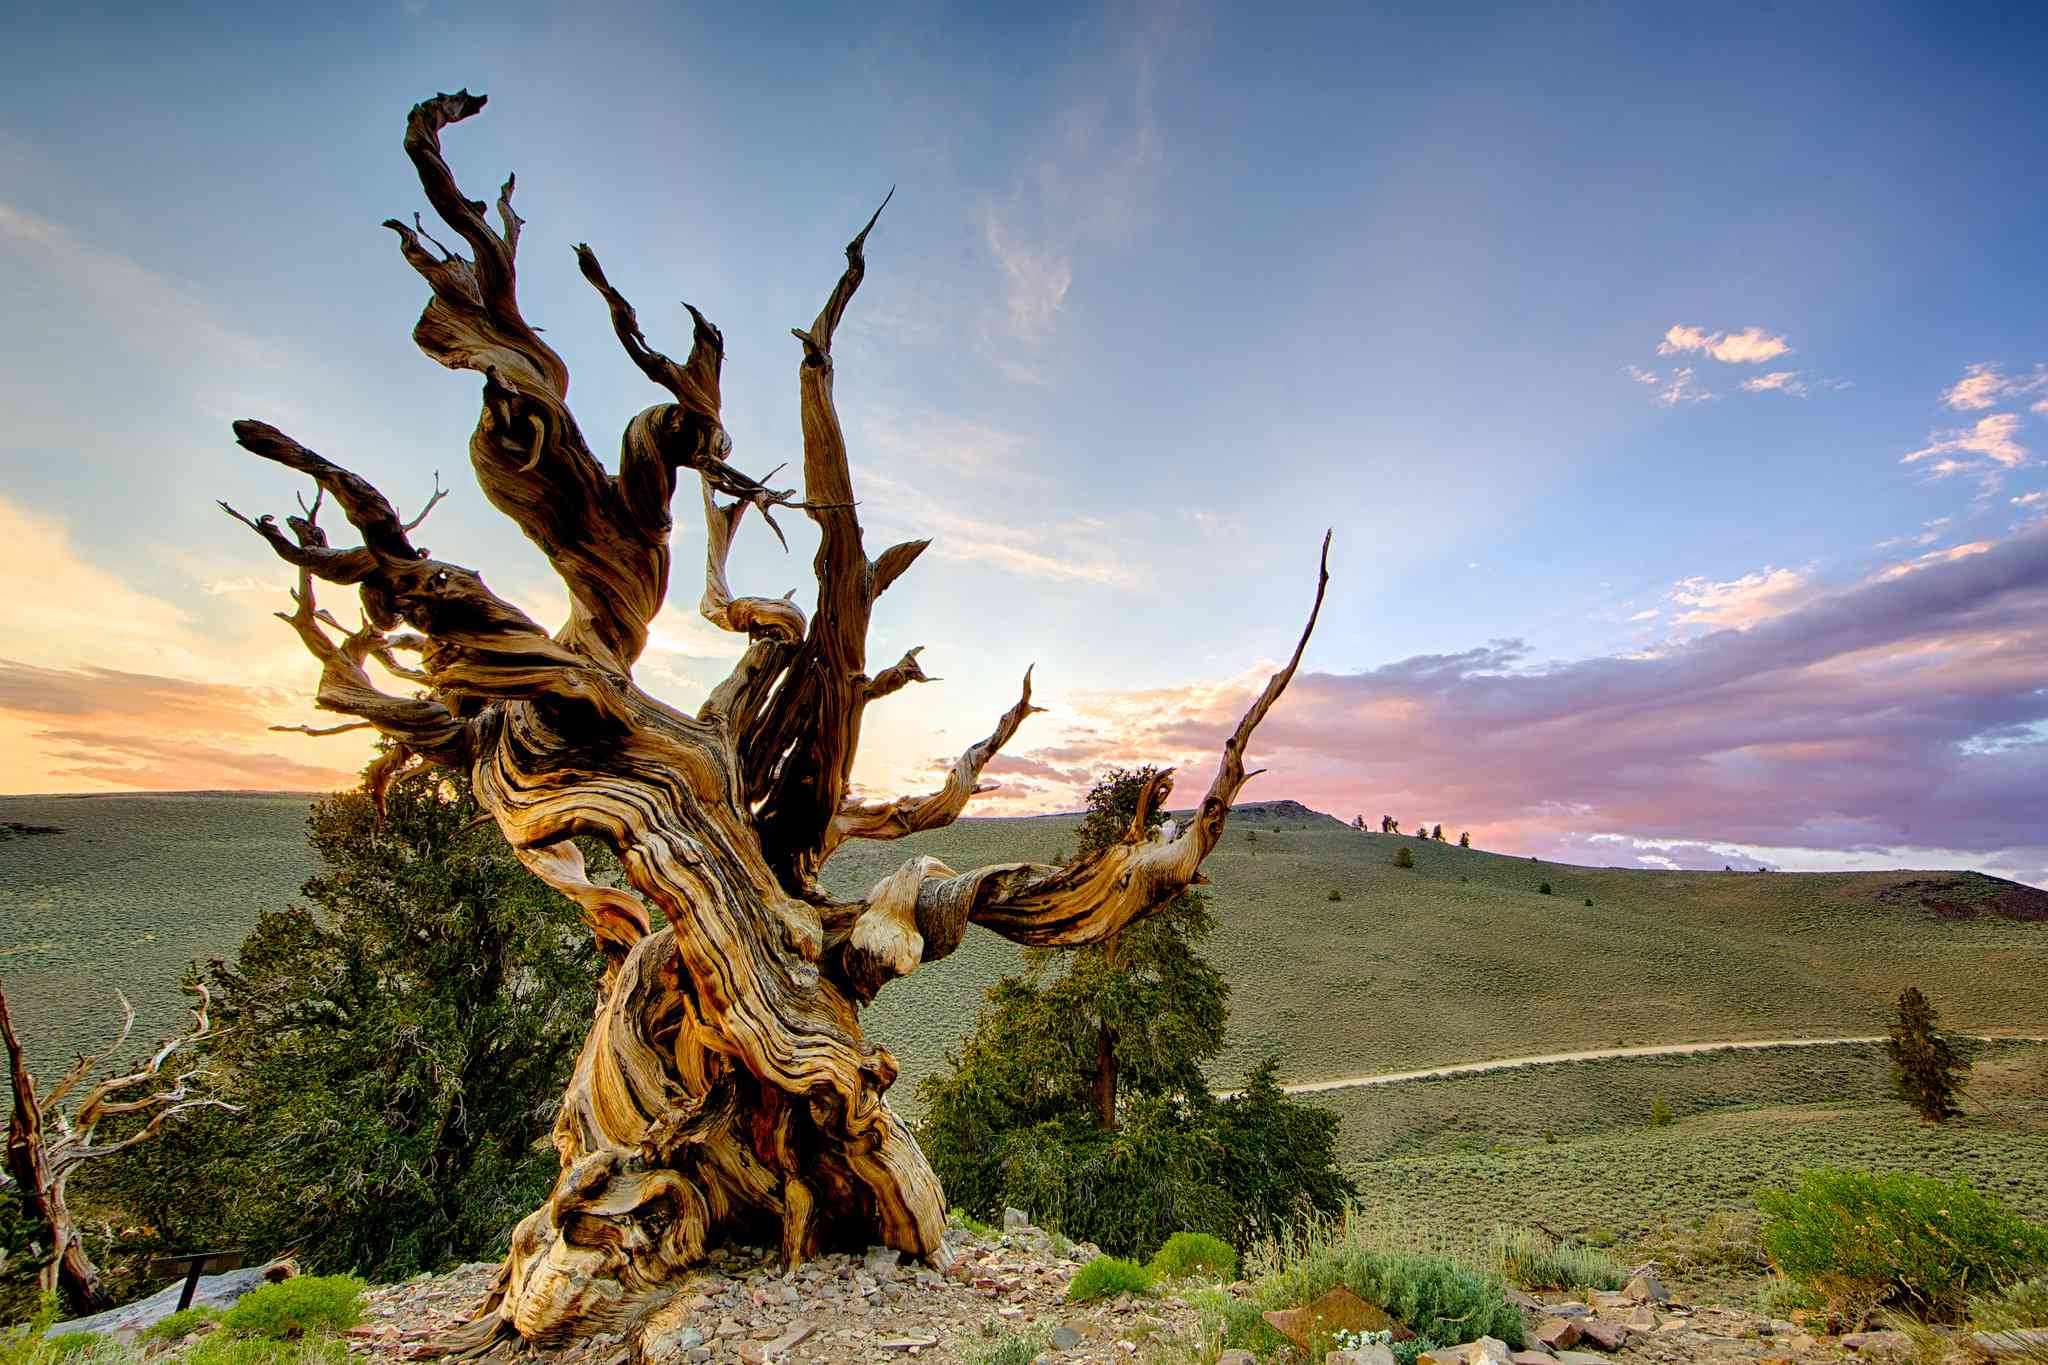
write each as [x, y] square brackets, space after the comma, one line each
[726, 1090]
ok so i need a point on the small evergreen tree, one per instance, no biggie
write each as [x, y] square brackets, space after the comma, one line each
[1926, 1069]
[1080, 1097]
[1403, 858]
[397, 1047]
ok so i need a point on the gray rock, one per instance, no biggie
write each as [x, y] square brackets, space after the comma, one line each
[1877, 1341]
[1015, 1220]
[2021, 1343]
[1065, 1338]
[1558, 1333]
[214, 1291]
[1374, 1353]
[1237, 1358]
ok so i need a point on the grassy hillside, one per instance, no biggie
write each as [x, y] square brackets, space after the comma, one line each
[129, 890]
[1456, 959]
[1460, 958]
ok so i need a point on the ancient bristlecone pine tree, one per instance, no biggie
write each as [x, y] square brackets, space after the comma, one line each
[725, 1090]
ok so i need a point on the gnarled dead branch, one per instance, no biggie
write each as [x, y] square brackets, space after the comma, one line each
[45, 1145]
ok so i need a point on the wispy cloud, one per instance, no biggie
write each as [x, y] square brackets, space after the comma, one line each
[1777, 381]
[1991, 439]
[1984, 385]
[1932, 558]
[1750, 346]
[1739, 603]
[1681, 385]
[95, 660]
[1091, 184]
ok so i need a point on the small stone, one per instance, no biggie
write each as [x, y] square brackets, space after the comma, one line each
[908, 1343]
[1373, 1353]
[1237, 1358]
[1608, 1336]
[1645, 1287]
[1875, 1342]
[1580, 1358]
[1644, 1319]
[1558, 1333]
[1015, 1220]
[1532, 1358]
[1065, 1338]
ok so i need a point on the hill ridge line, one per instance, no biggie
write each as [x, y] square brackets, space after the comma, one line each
[1604, 1054]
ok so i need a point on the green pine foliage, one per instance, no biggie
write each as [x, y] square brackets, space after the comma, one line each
[396, 1045]
[1403, 858]
[1926, 1069]
[1865, 1241]
[1080, 1094]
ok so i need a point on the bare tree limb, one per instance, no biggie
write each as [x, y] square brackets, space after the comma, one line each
[915, 814]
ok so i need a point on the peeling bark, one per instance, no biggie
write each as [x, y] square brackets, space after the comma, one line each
[726, 1090]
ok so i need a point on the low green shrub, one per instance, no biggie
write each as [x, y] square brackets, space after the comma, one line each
[1015, 1348]
[69, 1344]
[219, 1348]
[1536, 1260]
[179, 1324]
[2018, 1305]
[1777, 1297]
[1335, 894]
[960, 1218]
[305, 1305]
[1444, 1297]
[1403, 858]
[1660, 1114]
[1863, 1241]
[1543, 889]
[1105, 1277]
[1722, 1242]
[1187, 1254]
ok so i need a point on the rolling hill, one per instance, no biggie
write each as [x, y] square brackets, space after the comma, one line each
[1459, 958]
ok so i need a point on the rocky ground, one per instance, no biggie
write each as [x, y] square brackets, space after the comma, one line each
[872, 1308]
[838, 1308]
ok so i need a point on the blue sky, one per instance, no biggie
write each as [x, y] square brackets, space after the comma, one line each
[1164, 291]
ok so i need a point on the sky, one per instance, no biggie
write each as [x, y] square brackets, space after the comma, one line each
[1675, 386]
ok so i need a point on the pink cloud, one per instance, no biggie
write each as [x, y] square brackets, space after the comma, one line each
[1854, 721]
[1739, 602]
[1750, 346]
[1992, 438]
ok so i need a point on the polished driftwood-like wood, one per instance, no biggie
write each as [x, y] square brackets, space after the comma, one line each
[726, 1090]
[46, 1144]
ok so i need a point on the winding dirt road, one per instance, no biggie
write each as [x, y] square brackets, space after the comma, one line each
[1601, 1054]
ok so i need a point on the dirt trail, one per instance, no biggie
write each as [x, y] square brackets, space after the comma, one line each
[1601, 1054]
